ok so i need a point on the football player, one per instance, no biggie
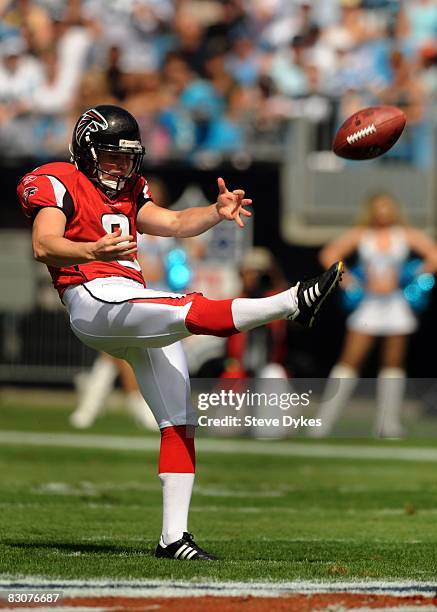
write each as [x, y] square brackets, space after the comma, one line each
[85, 215]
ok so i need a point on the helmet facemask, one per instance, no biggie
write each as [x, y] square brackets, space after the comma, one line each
[114, 165]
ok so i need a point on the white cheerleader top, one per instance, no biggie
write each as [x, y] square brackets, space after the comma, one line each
[377, 261]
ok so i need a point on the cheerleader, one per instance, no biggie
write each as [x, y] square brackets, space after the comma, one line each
[382, 242]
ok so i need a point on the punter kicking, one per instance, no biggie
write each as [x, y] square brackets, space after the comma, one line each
[85, 215]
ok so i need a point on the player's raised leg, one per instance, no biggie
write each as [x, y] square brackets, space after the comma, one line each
[300, 303]
[106, 315]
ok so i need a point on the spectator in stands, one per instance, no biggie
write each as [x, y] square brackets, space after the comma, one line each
[243, 60]
[353, 27]
[115, 75]
[189, 41]
[31, 20]
[50, 103]
[417, 23]
[218, 75]
[135, 27]
[232, 20]
[428, 71]
[228, 131]
[322, 56]
[177, 64]
[279, 22]
[73, 42]
[147, 102]
[272, 113]
[20, 77]
[407, 91]
[191, 104]
[288, 69]
[93, 90]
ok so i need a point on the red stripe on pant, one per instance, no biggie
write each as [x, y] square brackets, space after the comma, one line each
[209, 317]
[177, 453]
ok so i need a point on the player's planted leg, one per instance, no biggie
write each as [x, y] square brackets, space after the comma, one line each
[176, 472]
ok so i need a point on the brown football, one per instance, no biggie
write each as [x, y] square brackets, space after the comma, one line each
[369, 133]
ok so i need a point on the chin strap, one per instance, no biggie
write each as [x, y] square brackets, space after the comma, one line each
[119, 183]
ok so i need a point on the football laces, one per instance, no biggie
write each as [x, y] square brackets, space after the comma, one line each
[353, 138]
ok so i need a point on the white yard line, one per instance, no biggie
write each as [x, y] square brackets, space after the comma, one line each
[339, 608]
[243, 447]
[175, 588]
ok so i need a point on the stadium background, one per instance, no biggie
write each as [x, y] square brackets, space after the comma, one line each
[252, 91]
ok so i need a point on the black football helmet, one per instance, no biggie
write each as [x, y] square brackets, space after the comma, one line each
[99, 132]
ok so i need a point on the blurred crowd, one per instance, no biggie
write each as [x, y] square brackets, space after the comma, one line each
[213, 78]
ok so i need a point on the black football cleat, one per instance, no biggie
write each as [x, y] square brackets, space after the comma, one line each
[184, 549]
[312, 293]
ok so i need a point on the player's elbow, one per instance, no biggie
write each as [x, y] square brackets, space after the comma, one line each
[39, 256]
[39, 252]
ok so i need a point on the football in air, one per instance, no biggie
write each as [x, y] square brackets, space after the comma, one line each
[369, 133]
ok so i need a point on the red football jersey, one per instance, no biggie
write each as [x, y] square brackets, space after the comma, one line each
[90, 215]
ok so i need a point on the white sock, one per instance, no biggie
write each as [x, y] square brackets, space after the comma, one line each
[139, 409]
[176, 495]
[390, 392]
[263, 410]
[338, 391]
[98, 386]
[248, 313]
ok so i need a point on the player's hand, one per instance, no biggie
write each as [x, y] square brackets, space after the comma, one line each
[231, 204]
[114, 246]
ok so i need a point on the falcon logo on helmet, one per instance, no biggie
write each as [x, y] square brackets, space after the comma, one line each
[91, 121]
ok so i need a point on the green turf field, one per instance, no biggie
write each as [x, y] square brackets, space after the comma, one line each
[82, 513]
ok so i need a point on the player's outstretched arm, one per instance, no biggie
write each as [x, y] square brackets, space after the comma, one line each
[230, 205]
[52, 248]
